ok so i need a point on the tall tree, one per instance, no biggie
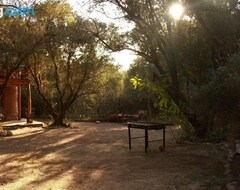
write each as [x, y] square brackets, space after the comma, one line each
[156, 37]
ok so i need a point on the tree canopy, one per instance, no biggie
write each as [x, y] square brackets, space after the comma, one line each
[187, 68]
[187, 53]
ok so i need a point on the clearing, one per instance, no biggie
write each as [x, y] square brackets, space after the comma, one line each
[93, 156]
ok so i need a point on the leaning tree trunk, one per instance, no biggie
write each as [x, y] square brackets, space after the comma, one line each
[200, 126]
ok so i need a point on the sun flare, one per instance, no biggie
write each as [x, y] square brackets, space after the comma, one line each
[176, 11]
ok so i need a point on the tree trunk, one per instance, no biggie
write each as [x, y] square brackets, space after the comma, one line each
[200, 127]
[149, 109]
[58, 120]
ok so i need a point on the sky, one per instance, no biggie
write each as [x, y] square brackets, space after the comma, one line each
[83, 7]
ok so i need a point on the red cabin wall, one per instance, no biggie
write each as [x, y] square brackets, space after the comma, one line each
[10, 103]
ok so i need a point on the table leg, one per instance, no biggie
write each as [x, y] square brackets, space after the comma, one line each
[146, 140]
[129, 137]
[163, 138]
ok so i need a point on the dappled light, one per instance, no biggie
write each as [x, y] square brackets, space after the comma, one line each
[119, 94]
[90, 156]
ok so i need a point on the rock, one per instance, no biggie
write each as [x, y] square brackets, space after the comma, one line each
[98, 122]
[44, 125]
[227, 172]
[9, 133]
[231, 186]
[230, 156]
[68, 125]
[160, 148]
[3, 133]
[227, 166]
[237, 146]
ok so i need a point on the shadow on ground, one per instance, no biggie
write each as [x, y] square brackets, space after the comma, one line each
[96, 156]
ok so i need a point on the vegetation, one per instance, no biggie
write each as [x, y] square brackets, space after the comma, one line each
[188, 54]
[68, 63]
[17, 43]
[187, 70]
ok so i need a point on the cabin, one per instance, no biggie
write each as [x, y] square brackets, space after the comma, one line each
[11, 101]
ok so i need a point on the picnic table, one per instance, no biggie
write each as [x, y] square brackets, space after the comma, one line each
[146, 126]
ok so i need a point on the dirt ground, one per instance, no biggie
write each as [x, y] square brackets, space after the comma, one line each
[92, 156]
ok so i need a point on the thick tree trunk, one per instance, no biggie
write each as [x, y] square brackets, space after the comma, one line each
[200, 127]
[58, 120]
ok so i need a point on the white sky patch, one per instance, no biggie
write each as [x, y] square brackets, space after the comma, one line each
[124, 58]
[86, 9]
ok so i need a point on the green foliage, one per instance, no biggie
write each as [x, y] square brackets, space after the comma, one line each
[168, 109]
[221, 94]
[65, 62]
[188, 71]
[191, 57]
[100, 105]
[136, 82]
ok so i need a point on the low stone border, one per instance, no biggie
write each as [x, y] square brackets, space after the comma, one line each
[6, 133]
